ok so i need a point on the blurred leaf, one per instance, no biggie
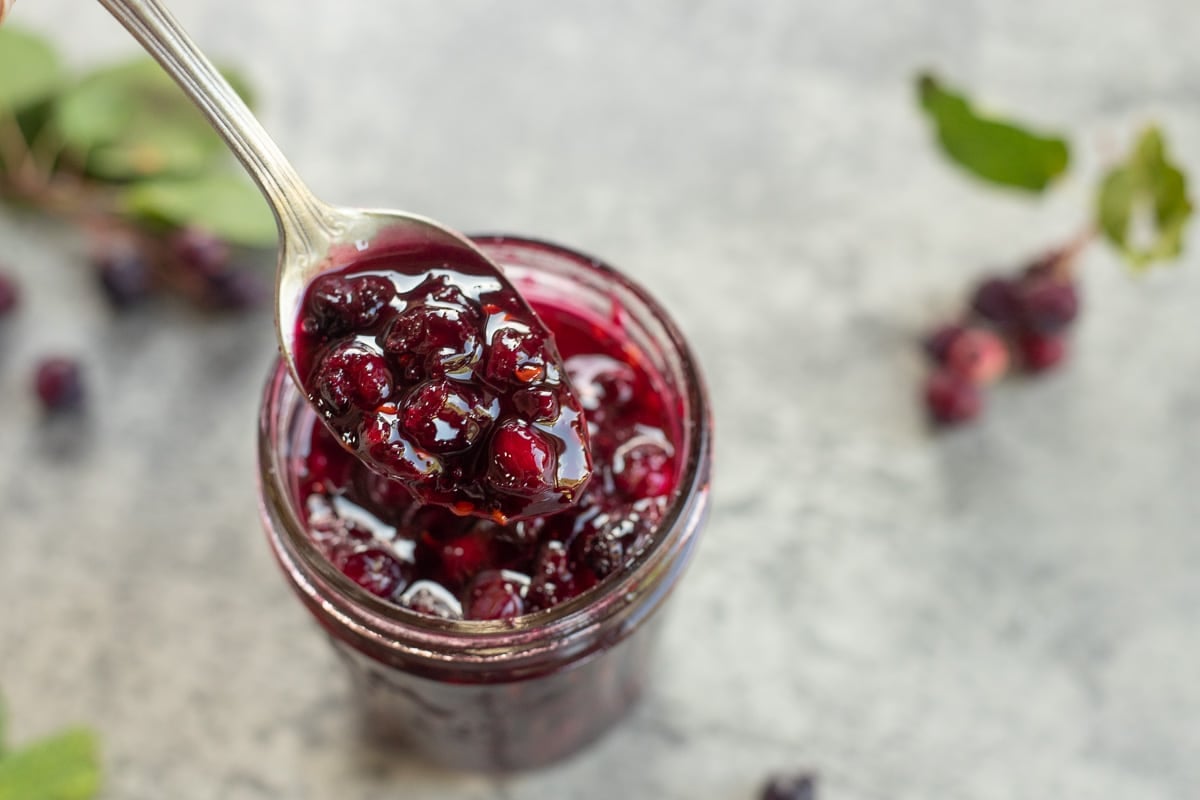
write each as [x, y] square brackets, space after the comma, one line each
[62, 767]
[29, 70]
[996, 150]
[228, 206]
[1142, 206]
[131, 121]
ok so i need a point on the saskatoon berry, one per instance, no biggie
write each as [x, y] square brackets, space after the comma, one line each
[352, 376]
[1040, 352]
[950, 398]
[464, 556]
[978, 355]
[199, 251]
[377, 571]
[124, 276]
[1048, 305]
[516, 356]
[445, 417]
[643, 467]
[995, 300]
[494, 594]
[58, 382]
[339, 303]
[429, 340]
[792, 787]
[522, 461]
[236, 290]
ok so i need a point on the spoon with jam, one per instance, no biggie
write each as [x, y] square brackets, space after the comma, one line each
[411, 346]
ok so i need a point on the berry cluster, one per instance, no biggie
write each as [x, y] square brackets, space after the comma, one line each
[1013, 321]
[432, 561]
[452, 387]
[131, 266]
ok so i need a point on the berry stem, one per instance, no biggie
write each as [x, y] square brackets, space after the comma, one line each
[1061, 263]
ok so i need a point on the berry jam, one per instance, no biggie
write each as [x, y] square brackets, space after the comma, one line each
[431, 560]
[436, 373]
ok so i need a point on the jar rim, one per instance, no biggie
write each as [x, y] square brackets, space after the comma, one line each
[553, 629]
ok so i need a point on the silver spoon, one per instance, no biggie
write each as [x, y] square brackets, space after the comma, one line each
[315, 237]
[309, 229]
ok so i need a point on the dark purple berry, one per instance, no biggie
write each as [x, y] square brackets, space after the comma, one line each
[1041, 352]
[58, 382]
[517, 356]
[351, 376]
[791, 787]
[237, 290]
[199, 251]
[521, 460]
[445, 416]
[434, 341]
[124, 276]
[952, 399]
[1048, 305]
[10, 295]
[340, 303]
[995, 300]
[494, 594]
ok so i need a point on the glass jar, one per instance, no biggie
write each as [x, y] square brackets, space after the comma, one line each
[513, 694]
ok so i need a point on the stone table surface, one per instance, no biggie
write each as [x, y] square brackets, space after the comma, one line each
[1005, 612]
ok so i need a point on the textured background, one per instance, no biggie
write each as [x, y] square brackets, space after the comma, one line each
[1006, 612]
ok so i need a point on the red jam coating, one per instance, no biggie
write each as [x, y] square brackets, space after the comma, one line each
[433, 561]
[435, 372]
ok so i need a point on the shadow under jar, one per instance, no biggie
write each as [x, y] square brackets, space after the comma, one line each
[517, 693]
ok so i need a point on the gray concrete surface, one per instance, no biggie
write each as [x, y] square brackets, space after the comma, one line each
[1007, 612]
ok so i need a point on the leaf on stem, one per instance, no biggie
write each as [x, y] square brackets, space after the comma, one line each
[1142, 206]
[30, 70]
[131, 121]
[993, 149]
[225, 205]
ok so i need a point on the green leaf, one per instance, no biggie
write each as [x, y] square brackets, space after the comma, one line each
[225, 205]
[1142, 206]
[996, 150]
[29, 70]
[130, 121]
[62, 767]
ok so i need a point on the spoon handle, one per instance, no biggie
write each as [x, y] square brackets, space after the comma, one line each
[303, 219]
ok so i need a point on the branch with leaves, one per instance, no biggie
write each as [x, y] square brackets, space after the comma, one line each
[1141, 208]
[121, 152]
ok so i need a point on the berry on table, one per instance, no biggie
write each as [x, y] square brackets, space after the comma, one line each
[791, 787]
[58, 382]
[978, 355]
[950, 398]
[1040, 352]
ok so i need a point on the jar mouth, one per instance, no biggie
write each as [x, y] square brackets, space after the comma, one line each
[377, 619]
